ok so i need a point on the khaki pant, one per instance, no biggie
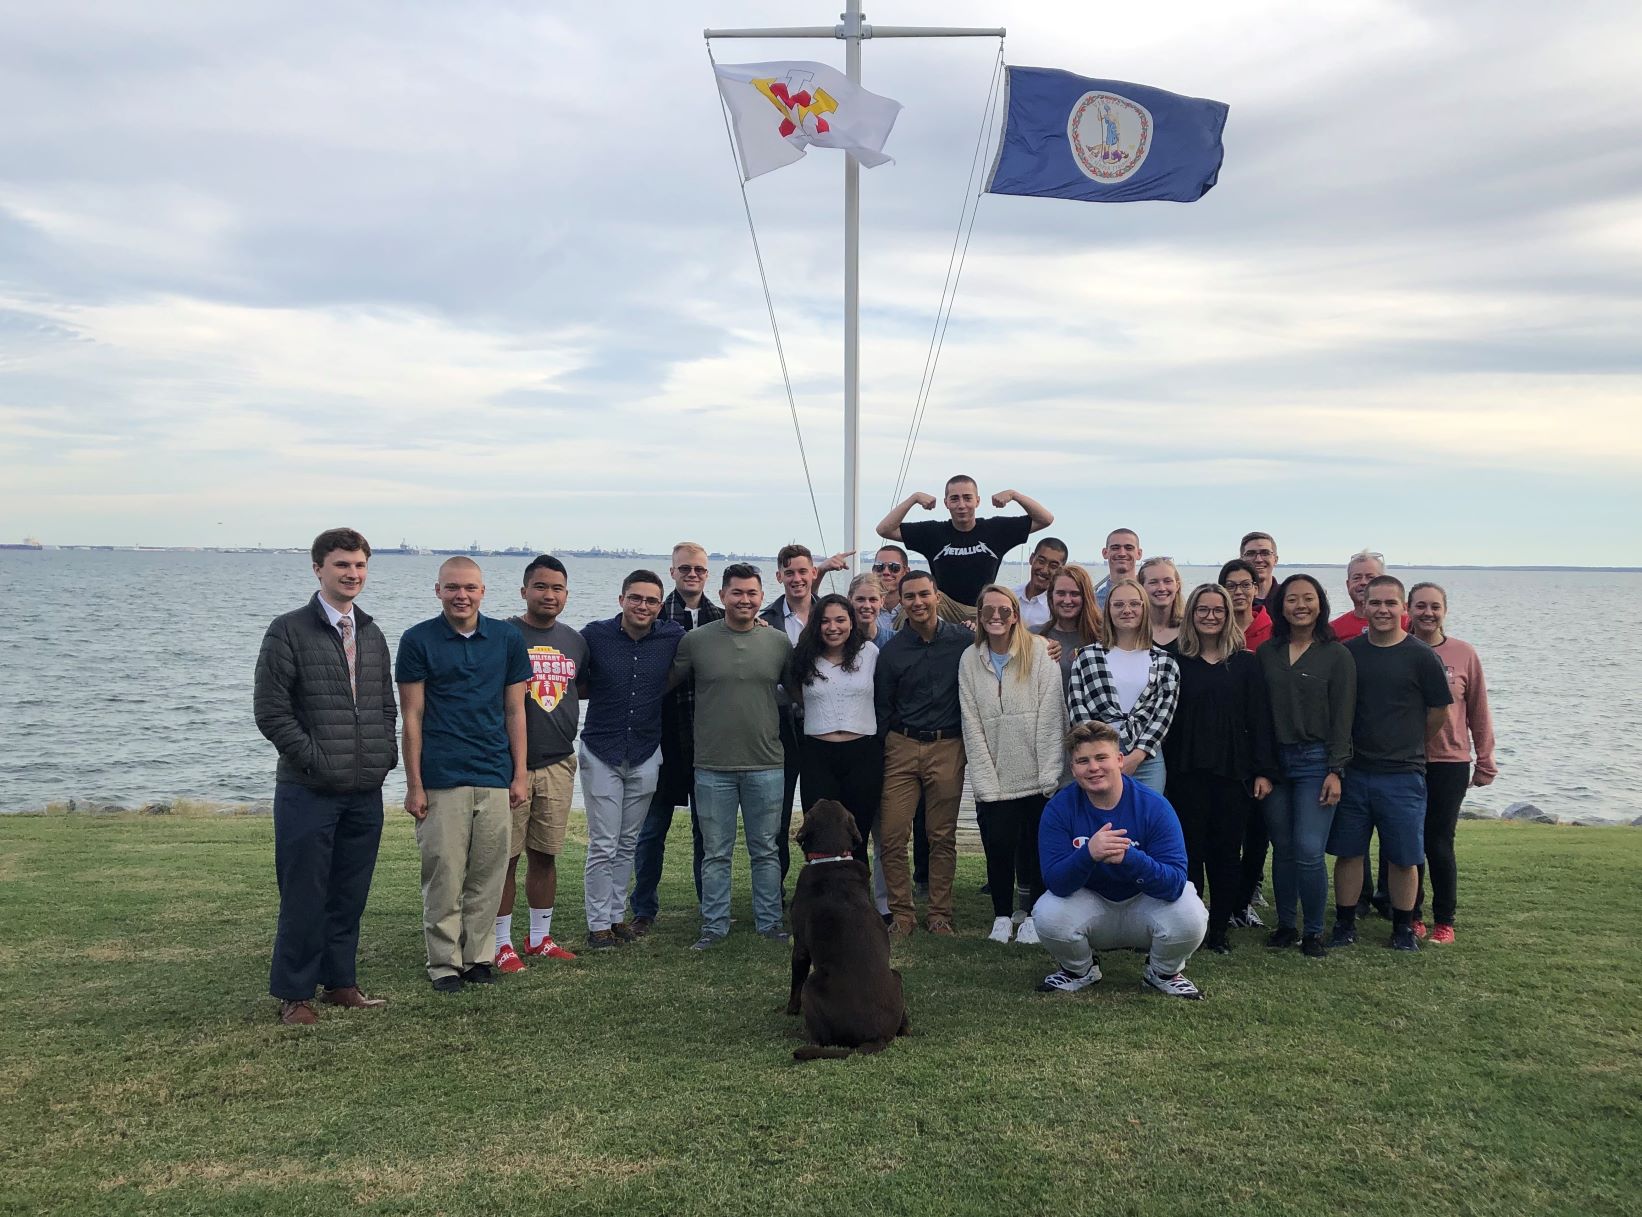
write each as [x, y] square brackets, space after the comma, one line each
[936, 771]
[464, 841]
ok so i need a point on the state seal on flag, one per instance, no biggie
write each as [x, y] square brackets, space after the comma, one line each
[1110, 135]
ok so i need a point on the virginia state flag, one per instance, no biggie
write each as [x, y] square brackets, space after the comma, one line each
[780, 109]
[1105, 141]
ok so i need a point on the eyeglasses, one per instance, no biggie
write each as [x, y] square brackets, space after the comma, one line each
[893, 568]
[999, 612]
[691, 570]
[643, 601]
[1259, 553]
[1242, 585]
[1209, 610]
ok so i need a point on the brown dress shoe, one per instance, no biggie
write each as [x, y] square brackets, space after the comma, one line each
[623, 932]
[297, 1013]
[641, 925]
[352, 998]
[940, 925]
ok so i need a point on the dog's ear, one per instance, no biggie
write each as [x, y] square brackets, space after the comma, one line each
[855, 830]
[803, 834]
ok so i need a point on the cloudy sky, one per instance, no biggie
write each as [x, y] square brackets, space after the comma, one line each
[480, 271]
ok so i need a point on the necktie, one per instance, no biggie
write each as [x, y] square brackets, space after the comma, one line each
[345, 624]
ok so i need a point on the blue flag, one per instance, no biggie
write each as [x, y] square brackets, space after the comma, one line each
[1105, 141]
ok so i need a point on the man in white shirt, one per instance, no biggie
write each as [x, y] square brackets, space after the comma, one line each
[1048, 556]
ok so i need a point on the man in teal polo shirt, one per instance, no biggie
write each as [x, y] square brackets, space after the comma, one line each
[462, 679]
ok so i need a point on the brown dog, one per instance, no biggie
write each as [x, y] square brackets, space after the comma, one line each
[852, 1001]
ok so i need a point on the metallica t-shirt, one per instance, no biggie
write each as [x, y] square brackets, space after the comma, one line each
[965, 562]
[552, 711]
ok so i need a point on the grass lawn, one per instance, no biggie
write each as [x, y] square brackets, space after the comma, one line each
[141, 1070]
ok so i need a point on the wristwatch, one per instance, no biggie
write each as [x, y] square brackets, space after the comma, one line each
[1336, 771]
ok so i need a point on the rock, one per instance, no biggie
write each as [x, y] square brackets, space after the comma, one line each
[1467, 813]
[1637, 823]
[156, 809]
[1543, 818]
[1522, 811]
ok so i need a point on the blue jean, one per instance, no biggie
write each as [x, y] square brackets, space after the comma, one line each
[1298, 827]
[757, 793]
[651, 851]
[1150, 773]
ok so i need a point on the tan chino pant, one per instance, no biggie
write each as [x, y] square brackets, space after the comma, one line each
[936, 771]
[464, 841]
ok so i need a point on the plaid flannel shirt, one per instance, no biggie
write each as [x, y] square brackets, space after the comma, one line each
[678, 709]
[1093, 696]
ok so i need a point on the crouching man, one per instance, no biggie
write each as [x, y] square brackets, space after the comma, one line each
[1114, 861]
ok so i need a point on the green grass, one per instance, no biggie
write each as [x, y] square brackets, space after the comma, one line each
[141, 1070]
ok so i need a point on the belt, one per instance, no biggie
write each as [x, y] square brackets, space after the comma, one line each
[926, 737]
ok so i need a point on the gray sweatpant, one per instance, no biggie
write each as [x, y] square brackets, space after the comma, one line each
[1072, 928]
[617, 801]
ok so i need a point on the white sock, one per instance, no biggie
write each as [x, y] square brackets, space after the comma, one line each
[504, 931]
[541, 925]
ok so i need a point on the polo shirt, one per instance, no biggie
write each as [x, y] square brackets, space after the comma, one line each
[626, 683]
[464, 721]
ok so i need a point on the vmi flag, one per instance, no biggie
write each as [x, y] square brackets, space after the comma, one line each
[780, 109]
[1105, 141]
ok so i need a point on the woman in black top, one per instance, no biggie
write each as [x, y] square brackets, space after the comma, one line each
[1218, 752]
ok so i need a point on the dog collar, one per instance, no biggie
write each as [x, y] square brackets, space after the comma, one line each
[811, 859]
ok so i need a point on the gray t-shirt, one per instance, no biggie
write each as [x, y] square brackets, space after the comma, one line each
[736, 674]
[552, 710]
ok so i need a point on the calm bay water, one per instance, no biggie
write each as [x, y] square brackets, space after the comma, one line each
[126, 676]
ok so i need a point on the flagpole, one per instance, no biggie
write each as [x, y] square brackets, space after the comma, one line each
[851, 30]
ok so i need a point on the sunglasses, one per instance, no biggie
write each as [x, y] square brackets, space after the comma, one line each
[691, 570]
[1001, 612]
[894, 568]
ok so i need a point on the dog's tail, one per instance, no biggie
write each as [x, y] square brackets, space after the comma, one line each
[818, 1052]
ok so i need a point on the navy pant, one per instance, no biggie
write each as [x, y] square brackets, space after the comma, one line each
[324, 856]
[651, 851]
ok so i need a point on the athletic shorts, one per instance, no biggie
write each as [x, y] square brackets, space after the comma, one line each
[1392, 804]
[540, 822]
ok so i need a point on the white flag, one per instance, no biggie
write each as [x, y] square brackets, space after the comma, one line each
[779, 109]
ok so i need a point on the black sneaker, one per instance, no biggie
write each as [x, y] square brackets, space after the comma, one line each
[1219, 945]
[1402, 939]
[601, 940]
[1283, 937]
[1343, 936]
[479, 974]
[448, 984]
[1311, 946]
[706, 942]
[775, 934]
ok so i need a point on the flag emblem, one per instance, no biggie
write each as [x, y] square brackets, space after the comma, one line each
[800, 110]
[1110, 136]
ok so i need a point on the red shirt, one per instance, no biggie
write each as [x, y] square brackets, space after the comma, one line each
[1349, 625]
[1258, 631]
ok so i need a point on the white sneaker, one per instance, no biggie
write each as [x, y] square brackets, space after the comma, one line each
[1001, 928]
[1170, 986]
[1027, 933]
[1062, 981]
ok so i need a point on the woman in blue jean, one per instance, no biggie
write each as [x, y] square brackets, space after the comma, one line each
[1312, 681]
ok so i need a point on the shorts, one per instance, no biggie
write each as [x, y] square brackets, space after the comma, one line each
[1392, 804]
[540, 822]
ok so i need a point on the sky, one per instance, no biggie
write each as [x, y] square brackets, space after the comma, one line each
[481, 272]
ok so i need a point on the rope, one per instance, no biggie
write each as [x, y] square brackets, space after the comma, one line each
[769, 301]
[949, 288]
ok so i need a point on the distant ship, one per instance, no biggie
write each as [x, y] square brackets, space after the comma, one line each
[405, 547]
[26, 543]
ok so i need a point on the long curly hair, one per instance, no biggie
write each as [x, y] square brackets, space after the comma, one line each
[801, 667]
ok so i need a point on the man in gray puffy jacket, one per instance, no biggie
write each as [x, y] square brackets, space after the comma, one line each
[324, 699]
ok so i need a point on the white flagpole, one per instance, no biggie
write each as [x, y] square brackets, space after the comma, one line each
[852, 29]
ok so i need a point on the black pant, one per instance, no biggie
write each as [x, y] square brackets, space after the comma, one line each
[1214, 813]
[1009, 835]
[1445, 785]
[1255, 843]
[852, 772]
[790, 765]
[324, 856]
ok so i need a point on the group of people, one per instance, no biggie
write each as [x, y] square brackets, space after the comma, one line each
[1130, 745]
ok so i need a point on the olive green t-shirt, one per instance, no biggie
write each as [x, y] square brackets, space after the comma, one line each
[736, 675]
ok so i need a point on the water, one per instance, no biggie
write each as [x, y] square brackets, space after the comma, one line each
[126, 676]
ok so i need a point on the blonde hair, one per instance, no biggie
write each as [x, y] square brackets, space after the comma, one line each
[868, 580]
[1023, 644]
[688, 547]
[1110, 626]
[1175, 610]
[1189, 643]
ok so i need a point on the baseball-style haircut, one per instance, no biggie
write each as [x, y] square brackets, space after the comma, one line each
[740, 570]
[905, 560]
[643, 576]
[789, 552]
[1279, 619]
[912, 576]
[961, 477]
[545, 562]
[1244, 565]
[1053, 543]
[1091, 732]
[333, 539]
[1255, 536]
[1382, 580]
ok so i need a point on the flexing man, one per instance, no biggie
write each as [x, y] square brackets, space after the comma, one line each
[1122, 553]
[688, 606]
[1402, 702]
[462, 679]
[552, 715]
[1114, 861]
[1260, 552]
[965, 550]
[324, 699]
[628, 659]
[1048, 556]
[736, 667]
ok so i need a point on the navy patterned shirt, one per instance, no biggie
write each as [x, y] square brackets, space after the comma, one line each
[626, 685]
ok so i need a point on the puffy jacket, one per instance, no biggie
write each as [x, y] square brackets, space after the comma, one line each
[1013, 729]
[327, 740]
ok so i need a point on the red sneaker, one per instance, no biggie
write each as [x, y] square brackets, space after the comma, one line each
[1419, 929]
[548, 949]
[508, 961]
[1442, 933]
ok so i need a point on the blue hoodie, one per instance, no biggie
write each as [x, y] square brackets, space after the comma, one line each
[1155, 864]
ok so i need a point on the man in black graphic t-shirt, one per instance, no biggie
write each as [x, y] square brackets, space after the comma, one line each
[964, 551]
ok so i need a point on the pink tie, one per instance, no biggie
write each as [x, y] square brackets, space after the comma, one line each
[345, 624]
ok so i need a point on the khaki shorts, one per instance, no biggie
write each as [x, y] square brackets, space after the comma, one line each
[540, 822]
